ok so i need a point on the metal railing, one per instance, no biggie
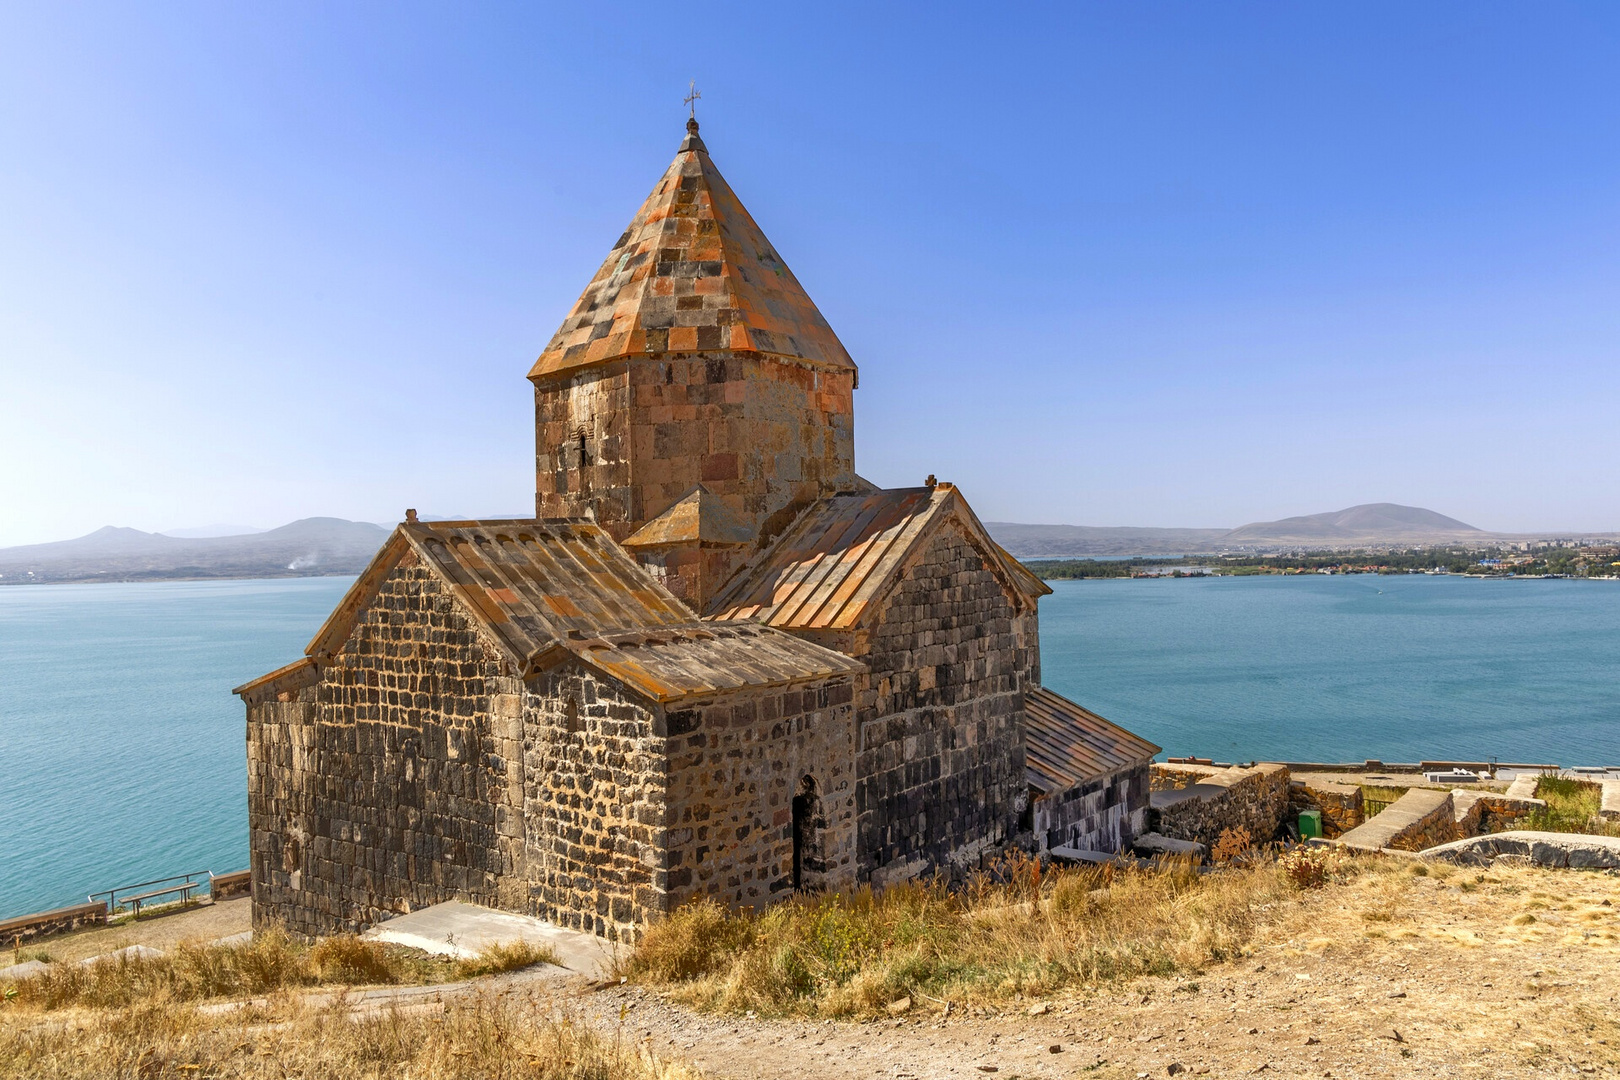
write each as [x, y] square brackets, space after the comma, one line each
[180, 885]
[1373, 807]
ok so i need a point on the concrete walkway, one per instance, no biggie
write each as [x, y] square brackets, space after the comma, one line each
[464, 930]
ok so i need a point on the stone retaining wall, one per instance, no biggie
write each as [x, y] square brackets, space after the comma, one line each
[1570, 850]
[1253, 798]
[1173, 776]
[1476, 812]
[25, 928]
[230, 886]
[1419, 819]
[1340, 804]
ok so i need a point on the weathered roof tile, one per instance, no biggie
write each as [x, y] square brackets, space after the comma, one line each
[549, 590]
[1067, 744]
[837, 561]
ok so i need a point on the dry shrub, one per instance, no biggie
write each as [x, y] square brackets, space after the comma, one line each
[271, 961]
[1312, 868]
[484, 1038]
[1028, 932]
[692, 943]
[1233, 843]
[349, 959]
[496, 958]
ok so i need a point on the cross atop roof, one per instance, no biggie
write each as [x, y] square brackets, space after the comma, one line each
[692, 96]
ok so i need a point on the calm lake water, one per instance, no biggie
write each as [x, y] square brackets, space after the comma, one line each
[121, 748]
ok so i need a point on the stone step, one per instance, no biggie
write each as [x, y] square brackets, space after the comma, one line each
[464, 930]
[1523, 786]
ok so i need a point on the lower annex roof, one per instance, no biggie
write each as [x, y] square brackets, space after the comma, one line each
[1067, 744]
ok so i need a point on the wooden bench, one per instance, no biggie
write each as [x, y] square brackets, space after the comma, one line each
[185, 889]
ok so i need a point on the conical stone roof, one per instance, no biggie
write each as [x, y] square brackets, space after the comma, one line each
[693, 272]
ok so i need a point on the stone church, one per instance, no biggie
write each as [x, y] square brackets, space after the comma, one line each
[717, 662]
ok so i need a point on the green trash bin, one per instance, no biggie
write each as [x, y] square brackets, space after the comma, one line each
[1310, 824]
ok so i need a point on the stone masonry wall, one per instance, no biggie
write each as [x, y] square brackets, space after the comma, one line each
[1476, 812]
[691, 572]
[735, 768]
[594, 804]
[1103, 814]
[1341, 804]
[1254, 798]
[582, 447]
[941, 750]
[1174, 777]
[382, 787]
[630, 438]
[1433, 829]
[25, 928]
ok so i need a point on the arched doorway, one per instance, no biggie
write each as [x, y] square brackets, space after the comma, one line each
[807, 824]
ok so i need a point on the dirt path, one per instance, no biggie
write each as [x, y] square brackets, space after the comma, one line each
[205, 922]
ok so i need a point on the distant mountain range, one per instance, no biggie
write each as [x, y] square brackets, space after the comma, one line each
[316, 546]
[304, 548]
[1370, 525]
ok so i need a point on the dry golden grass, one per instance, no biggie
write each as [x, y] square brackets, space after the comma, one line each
[484, 1038]
[1028, 933]
[495, 959]
[271, 961]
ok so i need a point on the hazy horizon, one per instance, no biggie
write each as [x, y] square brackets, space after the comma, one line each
[1184, 267]
[224, 531]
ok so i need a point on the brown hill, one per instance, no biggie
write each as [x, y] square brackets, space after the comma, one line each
[1369, 523]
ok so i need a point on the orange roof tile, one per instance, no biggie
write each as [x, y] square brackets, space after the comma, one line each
[836, 563]
[692, 272]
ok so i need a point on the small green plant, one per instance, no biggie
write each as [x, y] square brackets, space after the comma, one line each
[1572, 806]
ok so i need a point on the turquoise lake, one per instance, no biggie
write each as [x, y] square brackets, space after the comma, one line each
[121, 748]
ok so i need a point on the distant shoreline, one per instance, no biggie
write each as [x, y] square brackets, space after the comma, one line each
[160, 578]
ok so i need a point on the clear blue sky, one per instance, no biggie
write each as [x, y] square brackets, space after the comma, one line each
[1103, 263]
